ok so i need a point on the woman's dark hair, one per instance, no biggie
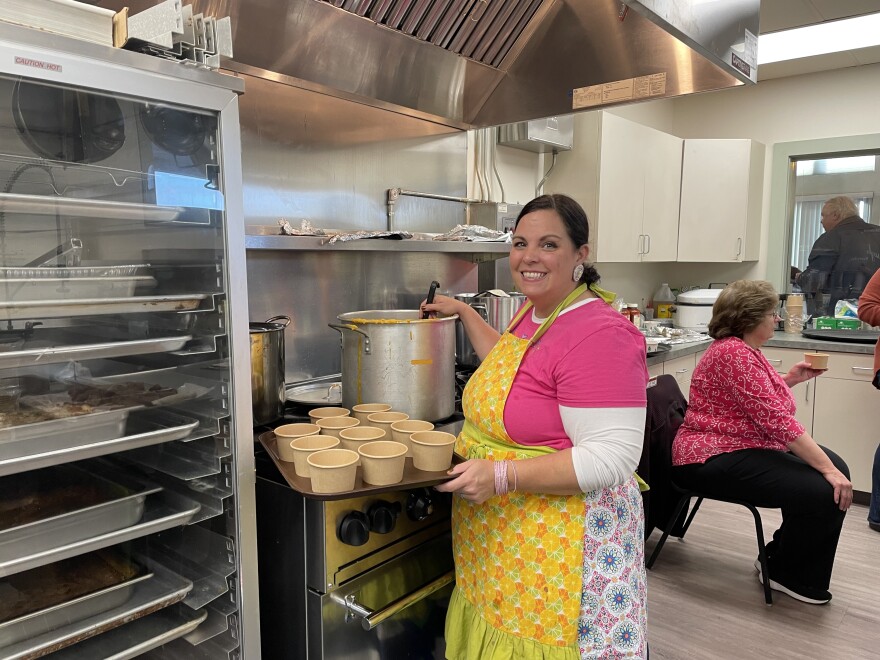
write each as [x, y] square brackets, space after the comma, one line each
[573, 217]
[741, 307]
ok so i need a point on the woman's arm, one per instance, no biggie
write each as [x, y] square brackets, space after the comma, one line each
[800, 372]
[869, 302]
[607, 448]
[806, 448]
[482, 336]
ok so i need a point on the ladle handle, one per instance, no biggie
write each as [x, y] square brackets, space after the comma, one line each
[431, 291]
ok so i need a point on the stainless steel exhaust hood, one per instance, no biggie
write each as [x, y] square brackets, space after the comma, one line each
[476, 63]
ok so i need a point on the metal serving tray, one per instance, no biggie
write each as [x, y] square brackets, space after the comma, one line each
[44, 620]
[60, 308]
[67, 288]
[148, 427]
[88, 350]
[161, 511]
[80, 429]
[122, 505]
[164, 588]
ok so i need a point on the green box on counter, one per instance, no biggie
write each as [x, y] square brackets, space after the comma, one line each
[848, 324]
[825, 323]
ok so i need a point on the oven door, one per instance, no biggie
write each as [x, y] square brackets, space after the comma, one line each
[395, 611]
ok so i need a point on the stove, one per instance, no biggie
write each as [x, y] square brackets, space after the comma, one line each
[361, 577]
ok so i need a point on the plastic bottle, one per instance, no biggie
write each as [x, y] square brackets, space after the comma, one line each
[634, 314]
[663, 302]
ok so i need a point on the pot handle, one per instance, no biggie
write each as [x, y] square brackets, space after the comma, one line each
[353, 328]
[285, 317]
[481, 310]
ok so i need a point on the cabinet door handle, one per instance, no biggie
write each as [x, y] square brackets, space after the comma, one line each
[807, 393]
[739, 246]
[682, 371]
[870, 370]
[647, 243]
[641, 244]
[779, 361]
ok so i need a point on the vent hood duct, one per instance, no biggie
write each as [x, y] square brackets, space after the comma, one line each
[477, 63]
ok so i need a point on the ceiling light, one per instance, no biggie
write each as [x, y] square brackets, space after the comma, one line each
[831, 37]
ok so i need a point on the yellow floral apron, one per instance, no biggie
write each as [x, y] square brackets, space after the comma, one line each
[521, 559]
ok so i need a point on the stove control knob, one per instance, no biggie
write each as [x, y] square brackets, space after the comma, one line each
[383, 516]
[354, 529]
[419, 504]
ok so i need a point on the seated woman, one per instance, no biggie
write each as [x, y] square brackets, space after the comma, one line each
[740, 440]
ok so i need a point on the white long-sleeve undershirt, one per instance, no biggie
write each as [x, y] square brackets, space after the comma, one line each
[607, 443]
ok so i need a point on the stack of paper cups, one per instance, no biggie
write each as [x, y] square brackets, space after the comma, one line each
[794, 313]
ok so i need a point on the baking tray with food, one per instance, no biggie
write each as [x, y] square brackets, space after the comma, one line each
[141, 429]
[149, 632]
[46, 598]
[163, 589]
[73, 288]
[96, 408]
[28, 310]
[46, 541]
[412, 477]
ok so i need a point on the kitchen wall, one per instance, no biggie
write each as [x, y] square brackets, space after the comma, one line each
[813, 106]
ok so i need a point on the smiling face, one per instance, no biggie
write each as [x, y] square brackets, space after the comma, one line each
[543, 258]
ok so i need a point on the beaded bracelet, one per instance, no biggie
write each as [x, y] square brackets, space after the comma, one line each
[501, 484]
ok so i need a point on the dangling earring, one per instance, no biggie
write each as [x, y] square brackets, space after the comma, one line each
[578, 273]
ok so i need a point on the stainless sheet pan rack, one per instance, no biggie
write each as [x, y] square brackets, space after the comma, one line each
[183, 460]
[209, 492]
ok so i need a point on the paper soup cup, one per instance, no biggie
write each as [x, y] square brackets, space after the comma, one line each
[400, 431]
[331, 411]
[333, 425]
[287, 432]
[362, 410]
[384, 420]
[817, 360]
[354, 437]
[432, 450]
[333, 470]
[308, 444]
[383, 462]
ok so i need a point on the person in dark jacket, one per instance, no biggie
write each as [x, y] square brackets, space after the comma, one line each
[842, 259]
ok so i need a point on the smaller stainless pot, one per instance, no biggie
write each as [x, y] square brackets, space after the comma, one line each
[497, 311]
[267, 368]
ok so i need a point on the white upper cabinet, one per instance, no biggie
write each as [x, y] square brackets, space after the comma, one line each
[627, 177]
[721, 186]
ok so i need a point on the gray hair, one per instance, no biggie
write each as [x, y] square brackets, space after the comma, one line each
[843, 206]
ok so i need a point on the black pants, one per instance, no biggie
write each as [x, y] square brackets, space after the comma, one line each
[803, 548]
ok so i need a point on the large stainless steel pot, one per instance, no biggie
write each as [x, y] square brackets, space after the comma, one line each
[394, 357]
[497, 311]
[267, 368]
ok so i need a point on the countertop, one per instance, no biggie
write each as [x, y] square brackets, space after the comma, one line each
[780, 340]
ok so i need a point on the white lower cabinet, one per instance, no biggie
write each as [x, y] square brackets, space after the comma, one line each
[782, 360]
[847, 414]
[682, 369]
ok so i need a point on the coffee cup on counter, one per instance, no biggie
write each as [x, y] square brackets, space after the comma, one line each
[816, 360]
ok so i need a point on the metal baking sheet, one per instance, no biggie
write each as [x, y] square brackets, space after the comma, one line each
[87, 351]
[139, 636]
[412, 477]
[142, 429]
[122, 507]
[79, 608]
[161, 511]
[87, 208]
[163, 589]
[67, 288]
[322, 394]
[79, 429]
[35, 272]
[26, 310]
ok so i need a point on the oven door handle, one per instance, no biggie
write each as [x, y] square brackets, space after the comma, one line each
[370, 619]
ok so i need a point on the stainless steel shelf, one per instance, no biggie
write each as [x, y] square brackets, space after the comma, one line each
[319, 243]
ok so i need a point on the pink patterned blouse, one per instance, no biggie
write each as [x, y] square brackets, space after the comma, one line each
[737, 401]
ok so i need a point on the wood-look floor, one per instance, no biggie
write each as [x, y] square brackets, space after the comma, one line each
[705, 601]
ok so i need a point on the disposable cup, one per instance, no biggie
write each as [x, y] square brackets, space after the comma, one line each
[287, 432]
[383, 462]
[432, 450]
[352, 438]
[363, 410]
[384, 420]
[400, 431]
[306, 445]
[817, 360]
[333, 470]
[333, 425]
[329, 411]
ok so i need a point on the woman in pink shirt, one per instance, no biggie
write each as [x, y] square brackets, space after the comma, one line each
[740, 440]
